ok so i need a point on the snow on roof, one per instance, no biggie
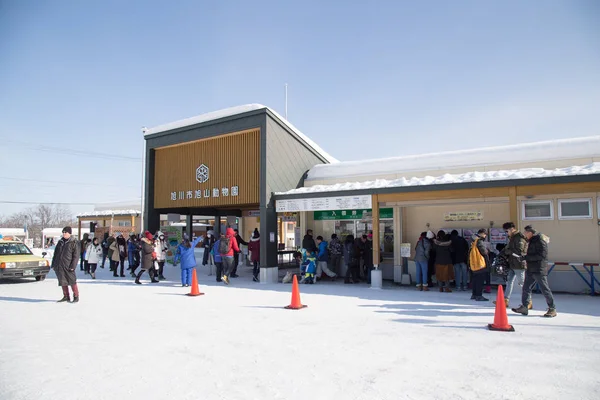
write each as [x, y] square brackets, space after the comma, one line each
[227, 112]
[528, 152]
[475, 176]
[109, 213]
[12, 232]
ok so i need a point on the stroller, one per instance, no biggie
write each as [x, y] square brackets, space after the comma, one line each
[500, 266]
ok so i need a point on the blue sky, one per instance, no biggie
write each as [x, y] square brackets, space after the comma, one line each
[392, 78]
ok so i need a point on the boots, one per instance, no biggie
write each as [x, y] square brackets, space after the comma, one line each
[530, 306]
[75, 299]
[521, 310]
[137, 278]
[505, 302]
[64, 299]
[425, 288]
[420, 288]
[161, 277]
[551, 313]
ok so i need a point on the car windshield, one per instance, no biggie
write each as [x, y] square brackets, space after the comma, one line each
[13, 249]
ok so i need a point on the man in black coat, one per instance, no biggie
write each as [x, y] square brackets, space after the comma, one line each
[236, 256]
[537, 272]
[64, 262]
[460, 253]
[308, 243]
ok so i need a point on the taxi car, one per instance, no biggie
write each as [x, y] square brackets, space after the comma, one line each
[17, 261]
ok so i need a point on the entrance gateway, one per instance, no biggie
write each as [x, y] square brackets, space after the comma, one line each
[227, 164]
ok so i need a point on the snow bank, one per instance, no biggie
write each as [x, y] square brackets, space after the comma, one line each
[228, 112]
[475, 176]
[108, 213]
[563, 149]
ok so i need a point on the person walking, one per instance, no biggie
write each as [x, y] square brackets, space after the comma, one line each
[64, 263]
[133, 253]
[478, 263]
[236, 255]
[537, 272]
[444, 269]
[460, 253]
[82, 247]
[335, 254]
[93, 254]
[207, 245]
[348, 257]
[218, 259]
[105, 246]
[148, 257]
[422, 251]
[119, 249]
[161, 247]
[514, 252]
[431, 261]
[323, 259]
[254, 248]
[227, 248]
[185, 254]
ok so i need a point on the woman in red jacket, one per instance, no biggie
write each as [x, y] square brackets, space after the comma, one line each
[254, 247]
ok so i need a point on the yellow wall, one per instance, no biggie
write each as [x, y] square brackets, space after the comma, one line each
[417, 218]
[570, 240]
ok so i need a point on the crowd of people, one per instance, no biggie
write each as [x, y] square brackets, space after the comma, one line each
[448, 257]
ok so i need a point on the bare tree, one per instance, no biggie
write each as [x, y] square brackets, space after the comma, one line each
[38, 218]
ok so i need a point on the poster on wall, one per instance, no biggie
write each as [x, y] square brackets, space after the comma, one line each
[173, 236]
[497, 236]
[405, 250]
[463, 216]
[468, 234]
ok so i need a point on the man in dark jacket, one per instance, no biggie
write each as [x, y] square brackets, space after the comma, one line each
[514, 251]
[82, 246]
[64, 262]
[335, 253]
[207, 245]
[368, 257]
[352, 273]
[537, 272]
[308, 243]
[236, 256]
[460, 252]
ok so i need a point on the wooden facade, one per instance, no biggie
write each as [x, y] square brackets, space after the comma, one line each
[230, 174]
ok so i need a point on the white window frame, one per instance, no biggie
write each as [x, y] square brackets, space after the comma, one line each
[526, 218]
[588, 200]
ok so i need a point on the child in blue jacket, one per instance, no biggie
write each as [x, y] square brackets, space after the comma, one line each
[309, 268]
[185, 254]
[217, 258]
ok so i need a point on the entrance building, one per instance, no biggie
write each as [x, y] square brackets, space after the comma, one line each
[228, 164]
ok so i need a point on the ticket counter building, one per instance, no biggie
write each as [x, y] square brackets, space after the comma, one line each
[553, 186]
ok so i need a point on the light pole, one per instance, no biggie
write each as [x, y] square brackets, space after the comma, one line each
[144, 130]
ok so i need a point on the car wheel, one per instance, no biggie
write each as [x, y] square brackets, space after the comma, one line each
[40, 278]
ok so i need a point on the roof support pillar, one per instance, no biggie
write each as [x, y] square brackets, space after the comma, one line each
[513, 206]
[376, 241]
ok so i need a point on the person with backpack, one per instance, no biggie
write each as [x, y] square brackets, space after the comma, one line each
[335, 254]
[218, 259]
[422, 250]
[105, 246]
[537, 272]
[478, 263]
[185, 254]
[323, 259]
[227, 248]
[254, 247]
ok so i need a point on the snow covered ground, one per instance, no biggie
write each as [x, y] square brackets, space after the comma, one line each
[126, 341]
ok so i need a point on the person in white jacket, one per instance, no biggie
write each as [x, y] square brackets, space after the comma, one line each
[93, 255]
[161, 246]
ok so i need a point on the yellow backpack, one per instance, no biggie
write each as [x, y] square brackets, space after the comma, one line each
[476, 260]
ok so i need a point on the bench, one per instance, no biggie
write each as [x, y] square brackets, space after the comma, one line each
[589, 269]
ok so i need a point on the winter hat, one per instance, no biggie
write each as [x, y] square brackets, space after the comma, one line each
[148, 235]
[67, 229]
[370, 236]
[255, 234]
[211, 233]
[430, 235]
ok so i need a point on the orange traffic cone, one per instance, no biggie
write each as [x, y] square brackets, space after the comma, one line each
[296, 303]
[195, 290]
[500, 317]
